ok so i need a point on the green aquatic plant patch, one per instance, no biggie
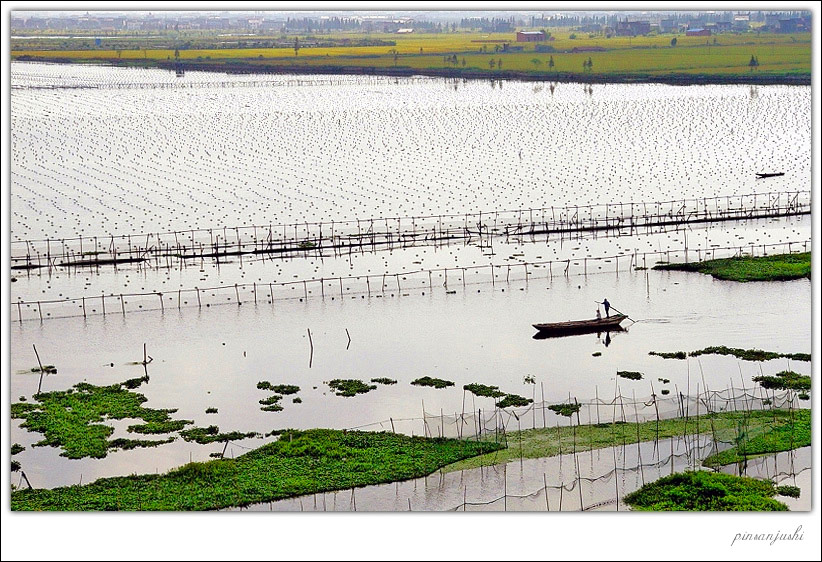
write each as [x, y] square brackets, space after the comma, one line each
[784, 380]
[780, 267]
[705, 491]
[73, 420]
[566, 410]
[211, 434]
[744, 354]
[17, 448]
[788, 491]
[300, 462]
[631, 375]
[350, 387]
[384, 380]
[48, 369]
[429, 381]
[513, 401]
[278, 388]
[484, 390]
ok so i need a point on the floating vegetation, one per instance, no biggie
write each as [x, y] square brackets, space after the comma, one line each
[705, 491]
[665, 392]
[73, 419]
[211, 410]
[484, 390]
[128, 444]
[596, 354]
[300, 462]
[134, 383]
[792, 430]
[274, 399]
[278, 388]
[428, 381]
[272, 408]
[297, 400]
[664, 381]
[784, 380]
[778, 267]
[17, 448]
[160, 427]
[788, 491]
[804, 396]
[744, 354]
[673, 355]
[211, 434]
[48, 369]
[350, 387]
[529, 379]
[384, 380]
[566, 410]
[15, 466]
[631, 375]
[513, 401]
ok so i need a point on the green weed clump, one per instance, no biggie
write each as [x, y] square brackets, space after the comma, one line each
[788, 491]
[705, 491]
[278, 388]
[384, 380]
[271, 404]
[297, 400]
[513, 401]
[15, 466]
[429, 381]
[350, 387]
[596, 354]
[566, 410]
[669, 355]
[784, 380]
[211, 410]
[48, 369]
[744, 354]
[17, 448]
[73, 419]
[159, 427]
[300, 462]
[484, 390]
[782, 267]
[211, 434]
[632, 375]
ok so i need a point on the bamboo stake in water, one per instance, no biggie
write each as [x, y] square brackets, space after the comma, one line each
[40, 384]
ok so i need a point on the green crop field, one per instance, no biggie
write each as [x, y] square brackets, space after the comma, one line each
[777, 54]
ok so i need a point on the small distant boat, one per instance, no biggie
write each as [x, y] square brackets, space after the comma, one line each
[766, 175]
[609, 323]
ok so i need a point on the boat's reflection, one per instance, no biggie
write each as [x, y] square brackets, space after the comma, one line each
[606, 340]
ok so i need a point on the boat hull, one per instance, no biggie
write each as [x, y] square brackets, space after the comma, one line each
[608, 324]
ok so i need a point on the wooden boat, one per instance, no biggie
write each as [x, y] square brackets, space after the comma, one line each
[609, 323]
[763, 176]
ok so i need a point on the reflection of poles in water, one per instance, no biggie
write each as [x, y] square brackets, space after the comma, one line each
[607, 339]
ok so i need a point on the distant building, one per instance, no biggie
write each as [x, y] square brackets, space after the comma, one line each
[667, 25]
[530, 36]
[698, 32]
[632, 28]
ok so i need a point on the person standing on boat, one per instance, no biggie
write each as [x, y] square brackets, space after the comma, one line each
[607, 306]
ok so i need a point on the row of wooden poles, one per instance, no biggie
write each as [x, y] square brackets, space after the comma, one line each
[91, 84]
[228, 241]
[697, 446]
[458, 276]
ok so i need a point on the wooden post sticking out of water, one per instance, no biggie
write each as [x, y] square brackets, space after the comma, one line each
[311, 343]
[40, 384]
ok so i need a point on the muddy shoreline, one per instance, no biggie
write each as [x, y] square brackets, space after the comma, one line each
[246, 67]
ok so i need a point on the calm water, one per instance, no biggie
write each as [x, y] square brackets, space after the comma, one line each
[120, 155]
